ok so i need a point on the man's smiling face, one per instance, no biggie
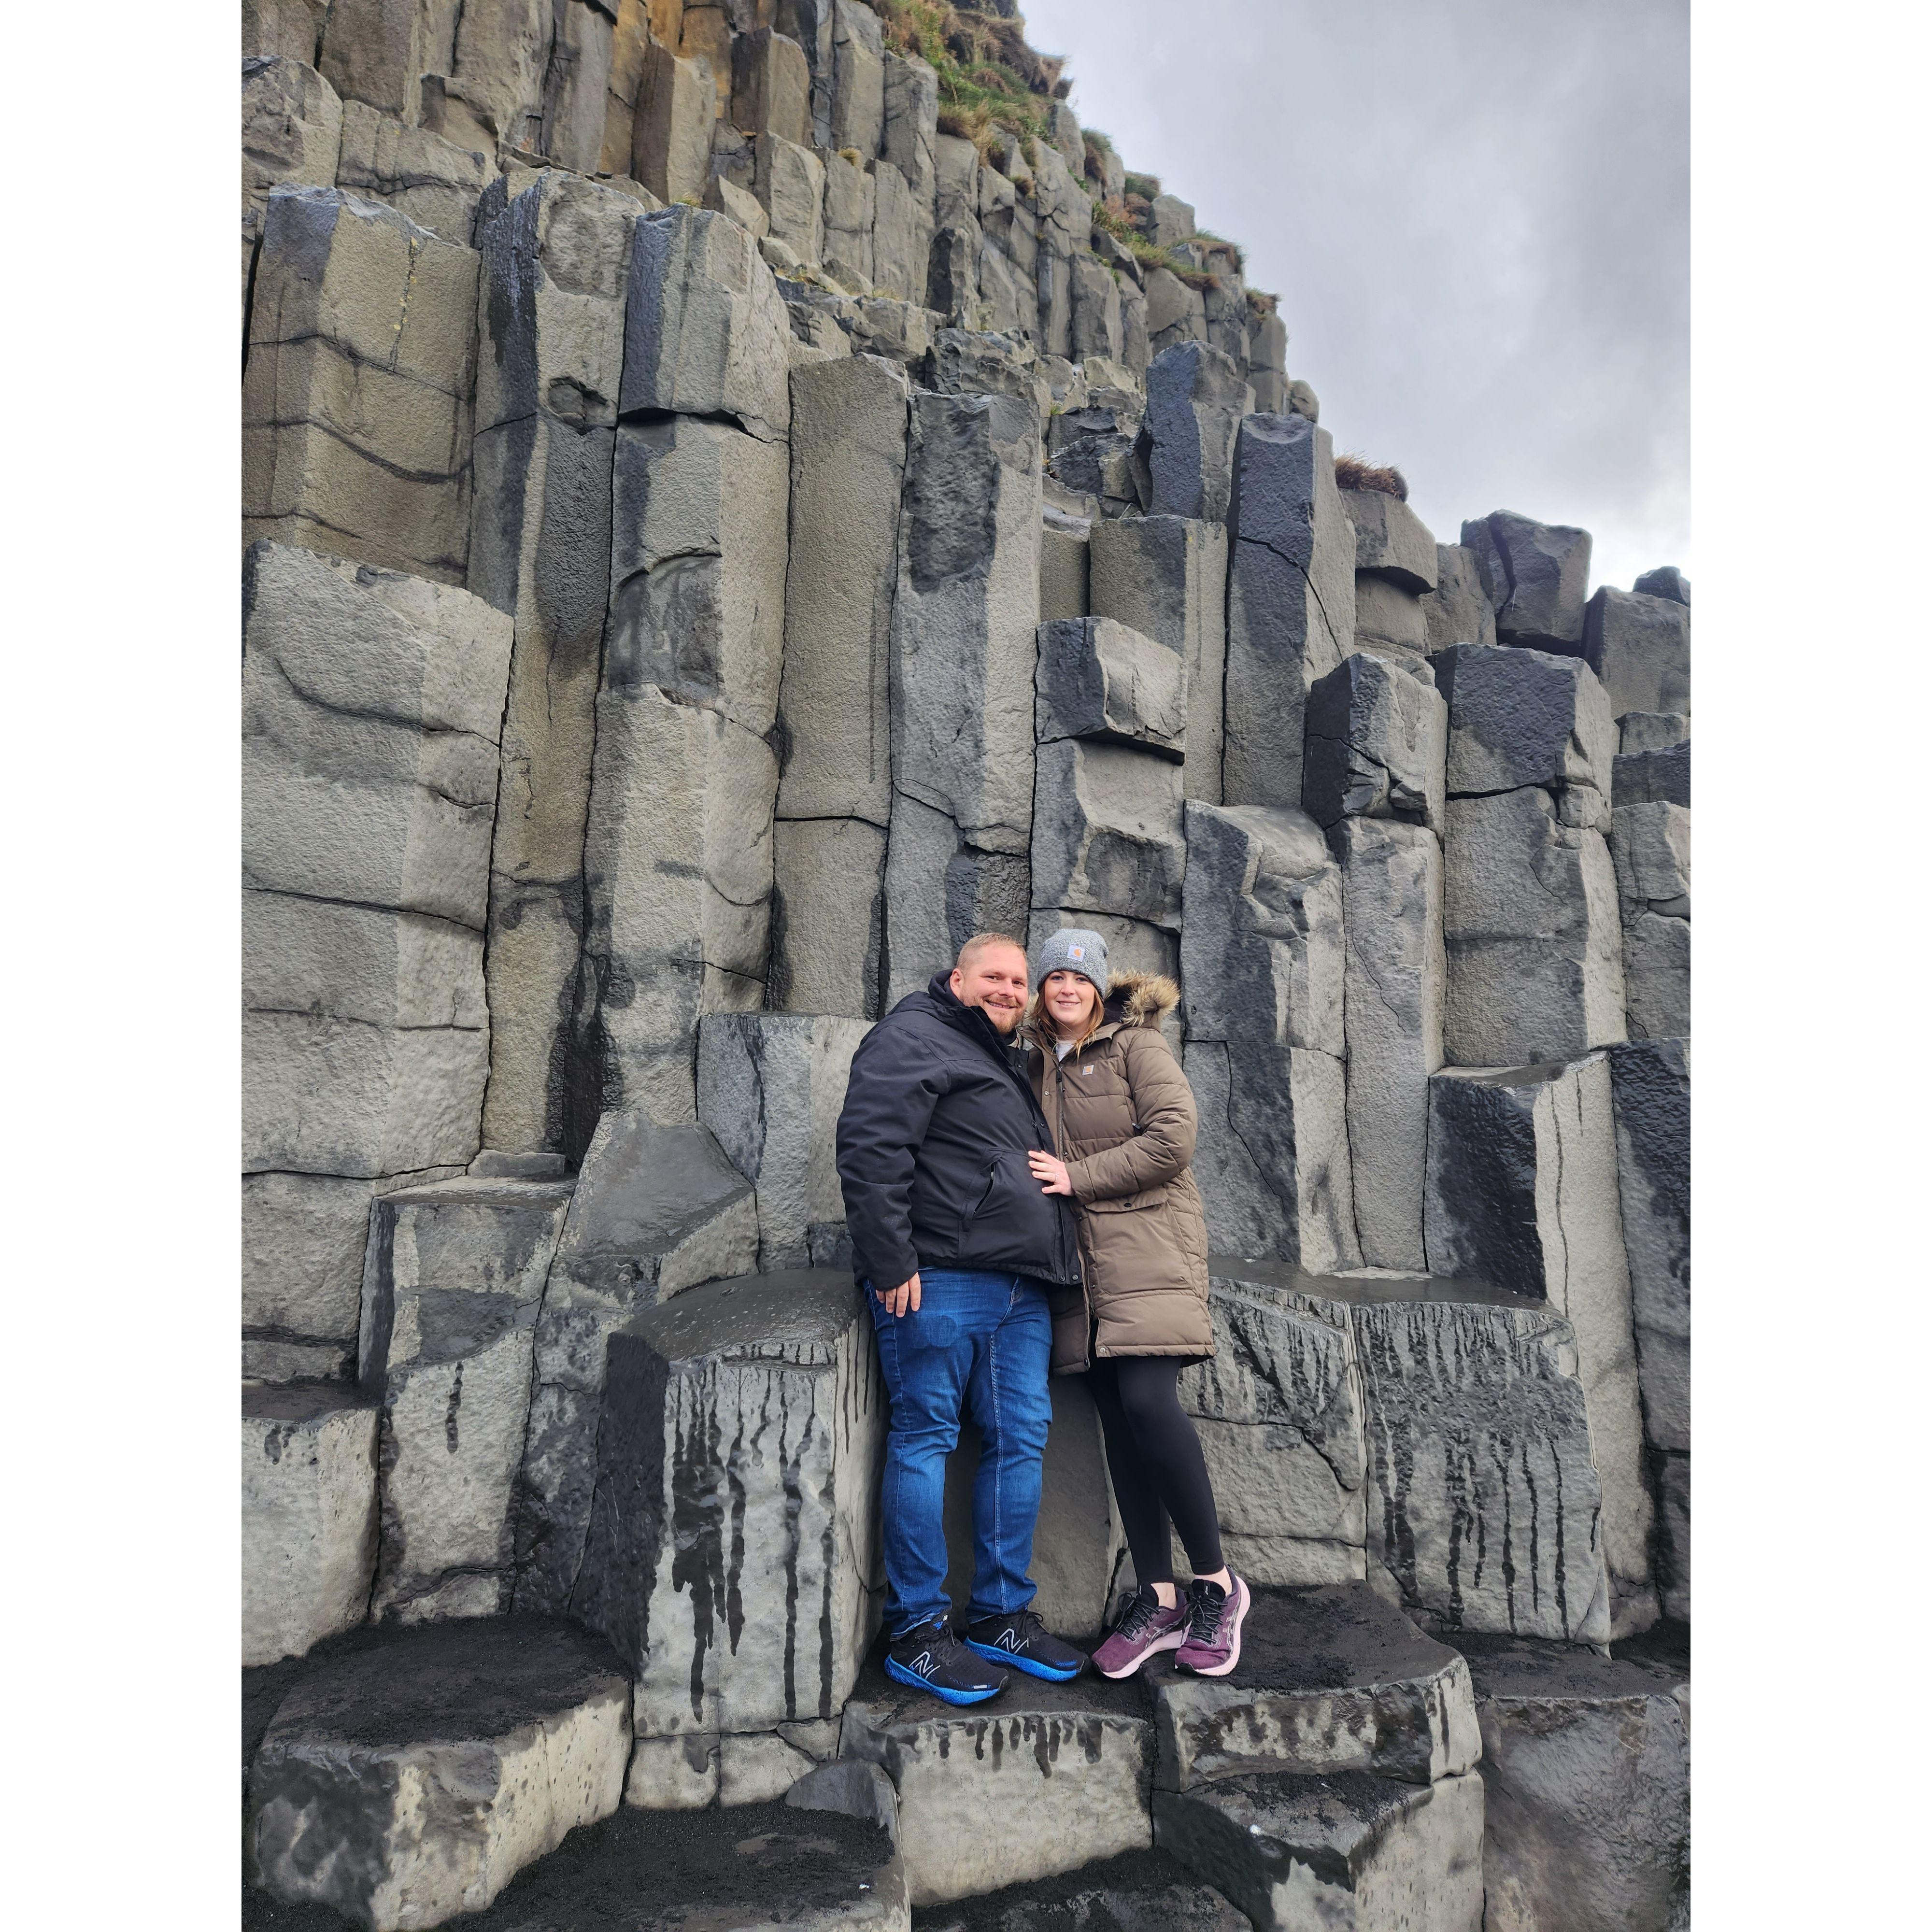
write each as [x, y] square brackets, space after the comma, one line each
[994, 980]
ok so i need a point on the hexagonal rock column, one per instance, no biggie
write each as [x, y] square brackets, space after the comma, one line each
[371, 704]
[555, 264]
[1534, 971]
[405, 1784]
[308, 1515]
[732, 1557]
[1457, 611]
[1640, 646]
[1262, 960]
[1279, 1412]
[1048, 1779]
[1395, 569]
[1078, 1545]
[1536, 577]
[1523, 1192]
[1291, 601]
[1107, 832]
[1394, 986]
[355, 406]
[1377, 744]
[1330, 1680]
[848, 455]
[769, 1086]
[963, 659]
[1483, 1501]
[1167, 577]
[1650, 844]
[1650, 1088]
[291, 134]
[656, 1210]
[1351, 1850]
[450, 1299]
[1586, 1774]
[1097, 679]
[1196, 396]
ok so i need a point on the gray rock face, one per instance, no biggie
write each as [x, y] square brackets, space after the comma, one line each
[1651, 845]
[435, 182]
[788, 182]
[405, 1785]
[308, 1516]
[1098, 679]
[289, 27]
[848, 453]
[1351, 1850]
[1196, 396]
[1523, 1192]
[1639, 731]
[1484, 1503]
[1173, 220]
[451, 1296]
[849, 207]
[1673, 1533]
[1669, 581]
[1652, 777]
[1458, 611]
[1291, 601]
[671, 124]
[1166, 577]
[963, 655]
[1536, 577]
[303, 1238]
[656, 1211]
[291, 133]
[1376, 744]
[1064, 556]
[1078, 1546]
[901, 236]
[355, 413]
[1278, 1410]
[1393, 989]
[1650, 1088]
[705, 333]
[770, 1087]
[732, 1556]
[1067, 1783]
[1107, 833]
[1640, 646]
[1262, 960]
[771, 86]
[911, 126]
[828, 917]
[555, 264]
[1389, 619]
[1586, 1777]
[1525, 718]
[1331, 1681]
[859, 78]
[1139, 1891]
[1391, 542]
[370, 703]
[1536, 964]
[1099, 327]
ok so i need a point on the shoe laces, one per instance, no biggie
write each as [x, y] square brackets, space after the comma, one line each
[1142, 1609]
[1204, 1613]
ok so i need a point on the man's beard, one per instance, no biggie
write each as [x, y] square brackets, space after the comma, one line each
[1006, 1019]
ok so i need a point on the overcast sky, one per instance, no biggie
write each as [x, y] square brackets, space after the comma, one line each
[1477, 216]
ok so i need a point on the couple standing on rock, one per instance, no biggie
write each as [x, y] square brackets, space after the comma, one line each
[1017, 1187]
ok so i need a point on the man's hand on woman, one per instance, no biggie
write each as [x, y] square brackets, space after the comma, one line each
[1051, 1173]
[902, 1300]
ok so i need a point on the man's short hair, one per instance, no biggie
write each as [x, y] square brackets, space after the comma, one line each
[979, 942]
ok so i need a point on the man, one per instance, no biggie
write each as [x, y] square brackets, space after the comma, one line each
[957, 1245]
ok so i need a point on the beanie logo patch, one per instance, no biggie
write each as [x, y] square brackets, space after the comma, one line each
[1076, 953]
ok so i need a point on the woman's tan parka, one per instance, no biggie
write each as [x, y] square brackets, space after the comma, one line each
[1123, 1120]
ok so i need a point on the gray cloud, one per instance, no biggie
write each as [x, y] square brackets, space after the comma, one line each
[1478, 218]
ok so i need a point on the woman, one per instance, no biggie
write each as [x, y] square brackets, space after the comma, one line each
[1122, 1119]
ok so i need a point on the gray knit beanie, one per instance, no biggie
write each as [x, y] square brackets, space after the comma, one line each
[1072, 949]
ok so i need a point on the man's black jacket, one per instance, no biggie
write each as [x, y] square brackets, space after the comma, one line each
[939, 1118]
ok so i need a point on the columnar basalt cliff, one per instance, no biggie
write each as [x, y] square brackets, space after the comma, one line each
[737, 497]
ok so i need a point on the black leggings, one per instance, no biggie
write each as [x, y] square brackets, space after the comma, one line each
[1154, 1458]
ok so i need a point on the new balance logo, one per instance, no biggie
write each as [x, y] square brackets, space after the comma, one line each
[925, 1664]
[1011, 1639]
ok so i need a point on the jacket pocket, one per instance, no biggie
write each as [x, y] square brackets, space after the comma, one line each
[1154, 1197]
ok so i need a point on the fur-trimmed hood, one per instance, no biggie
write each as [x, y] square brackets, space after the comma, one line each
[1133, 999]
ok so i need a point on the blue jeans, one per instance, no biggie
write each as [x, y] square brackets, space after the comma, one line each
[985, 1339]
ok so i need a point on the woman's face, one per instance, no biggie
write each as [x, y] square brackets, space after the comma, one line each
[1068, 998]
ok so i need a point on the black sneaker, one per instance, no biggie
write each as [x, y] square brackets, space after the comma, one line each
[932, 1658]
[1023, 1641]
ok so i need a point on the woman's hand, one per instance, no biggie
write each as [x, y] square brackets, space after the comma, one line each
[1051, 1173]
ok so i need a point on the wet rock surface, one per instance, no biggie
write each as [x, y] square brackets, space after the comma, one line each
[1138, 1891]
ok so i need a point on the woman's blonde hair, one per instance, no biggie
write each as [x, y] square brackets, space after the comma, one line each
[1041, 1029]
